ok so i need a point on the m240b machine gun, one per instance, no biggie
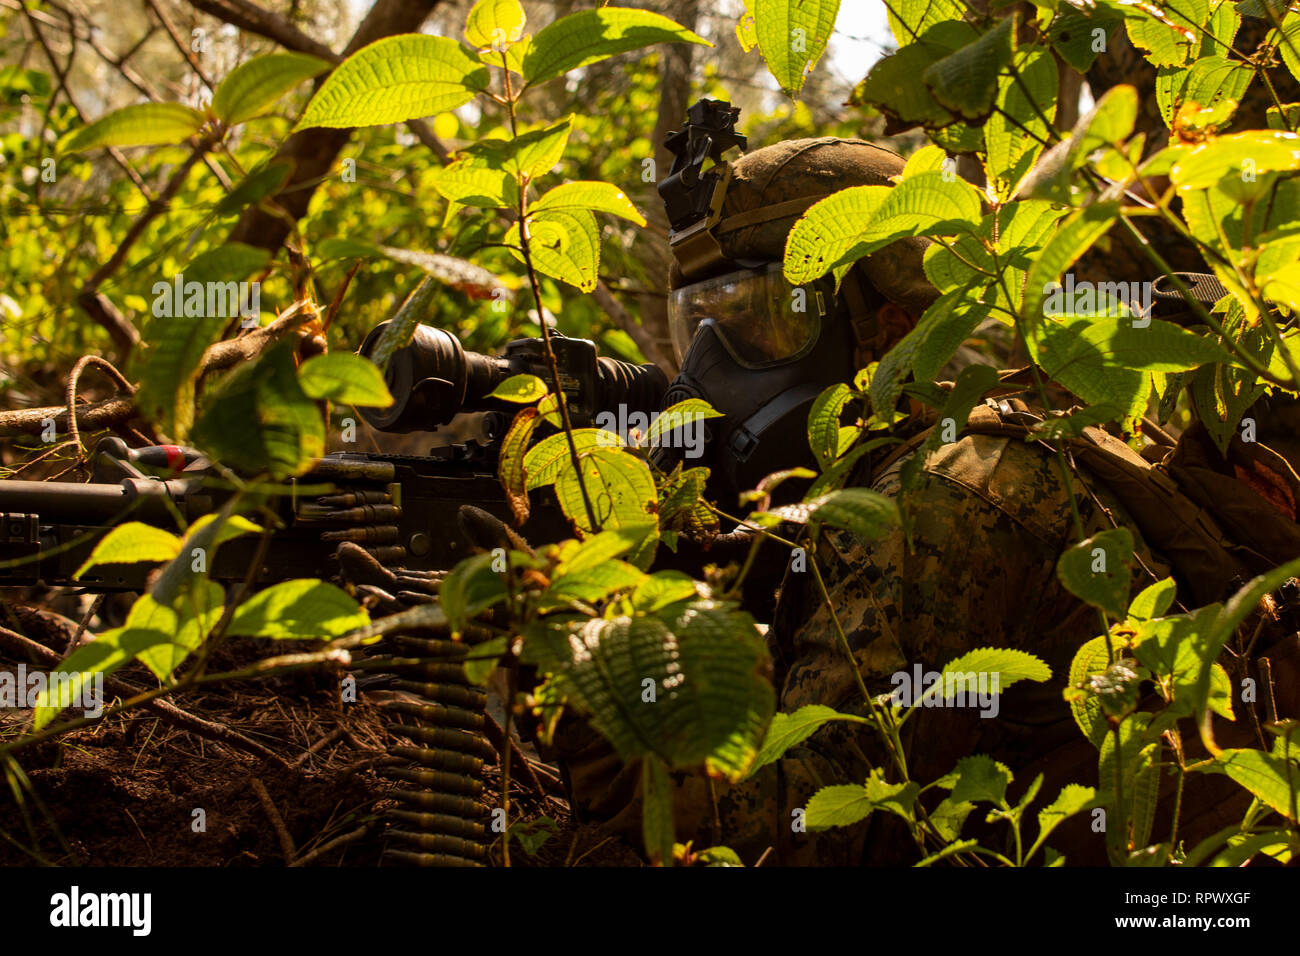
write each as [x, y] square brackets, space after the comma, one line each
[402, 509]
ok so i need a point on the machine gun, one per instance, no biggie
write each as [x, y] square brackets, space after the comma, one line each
[401, 509]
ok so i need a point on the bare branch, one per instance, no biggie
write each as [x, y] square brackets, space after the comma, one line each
[31, 421]
[265, 23]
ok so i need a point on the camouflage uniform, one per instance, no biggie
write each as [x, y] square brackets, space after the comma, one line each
[991, 519]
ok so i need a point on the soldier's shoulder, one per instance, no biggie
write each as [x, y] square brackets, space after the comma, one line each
[1019, 479]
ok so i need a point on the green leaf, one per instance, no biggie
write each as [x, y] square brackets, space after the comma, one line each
[485, 657]
[1125, 343]
[594, 196]
[564, 244]
[543, 462]
[951, 849]
[1075, 237]
[866, 513]
[683, 503]
[824, 423]
[145, 124]
[256, 186]
[477, 583]
[594, 584]
[1229, 618]
[717, 856]
[1108, 123]
[529, 154]
[746, 29]
[1083, 368]
[790, 730]
[792, 35]
[949, 817]
[179, 578]
[231, 527]
[253, 87]
[1071, 34]
[494, 24]
[657, 820]
[211, 297]
[1289, 45]
[840, 806]
[399, 331]
[854, 222]
[620, 486]
[661, 589]
[972, 382]
[1168, 34]
[301, 608]
[396, 79]
[520, 389]
[188, 623]
[1212, 83]
[600, 548]
[978, 779]
[1072, 799]
[1085, 707]
[259, 419]
[966, 81]
[1000, 666]
[129, 543]
[1153, 601]
[344, 378]
[678, 415]
[685, 685]
[891, 86]
[473, 185]
[532, 836]
[1238, 156]
[1240, 850]
[835, 476]
[909, 19]
[1020, 125]
[589, 36]
[1268, 776]
[106, 653]
[1098, 571]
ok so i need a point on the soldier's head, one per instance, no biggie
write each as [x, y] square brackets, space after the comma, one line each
[760, 350]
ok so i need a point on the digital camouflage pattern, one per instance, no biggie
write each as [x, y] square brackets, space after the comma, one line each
[991, 519]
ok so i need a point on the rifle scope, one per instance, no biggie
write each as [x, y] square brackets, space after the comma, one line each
[434, 378]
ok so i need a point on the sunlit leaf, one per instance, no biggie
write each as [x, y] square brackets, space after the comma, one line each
[395, 79]
[145, 124]
[253, 87]
[589, 36]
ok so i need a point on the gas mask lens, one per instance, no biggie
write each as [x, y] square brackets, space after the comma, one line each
[761, 319]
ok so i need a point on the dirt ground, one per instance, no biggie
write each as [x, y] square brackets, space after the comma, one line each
[126, 791]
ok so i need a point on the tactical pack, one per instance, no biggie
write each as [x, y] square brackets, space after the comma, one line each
[1218, 519]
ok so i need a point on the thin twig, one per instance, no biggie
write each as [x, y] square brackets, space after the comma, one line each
[337, 842]
[277, 821]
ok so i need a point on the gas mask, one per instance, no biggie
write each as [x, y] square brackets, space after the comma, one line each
[759, 351]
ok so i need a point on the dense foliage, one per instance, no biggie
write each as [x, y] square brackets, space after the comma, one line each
[589, 612]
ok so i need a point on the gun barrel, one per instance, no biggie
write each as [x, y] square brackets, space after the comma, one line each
[89, 502]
